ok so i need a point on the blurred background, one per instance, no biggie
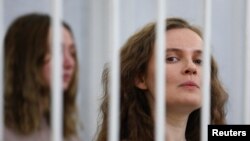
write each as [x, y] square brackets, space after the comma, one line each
[90, 20]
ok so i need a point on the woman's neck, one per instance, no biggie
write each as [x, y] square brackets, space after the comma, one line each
[176, 127]
[176, 122]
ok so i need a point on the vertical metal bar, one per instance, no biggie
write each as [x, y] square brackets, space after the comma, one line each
[205, 112]
[113, 134]
[247, 71]
[160, 72]
[57, 104]
[1, 71]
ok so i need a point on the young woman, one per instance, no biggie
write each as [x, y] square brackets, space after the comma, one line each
[27, 46]
[183, 82]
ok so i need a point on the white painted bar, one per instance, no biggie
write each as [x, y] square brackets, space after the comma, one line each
[57, 99]
[114, 126]
[160, 72]
[1, 71]
[247, 71]
[205, 112]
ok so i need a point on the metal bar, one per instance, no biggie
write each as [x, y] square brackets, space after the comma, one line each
[1, 71]
[247, 71]
[206, 96]
[160, 72]
[113, 134]
[57, 99]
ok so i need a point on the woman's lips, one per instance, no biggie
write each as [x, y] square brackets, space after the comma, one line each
[189, 84]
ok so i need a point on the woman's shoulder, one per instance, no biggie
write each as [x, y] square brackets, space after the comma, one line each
[41, 135]
[74, 138]
[12, 135]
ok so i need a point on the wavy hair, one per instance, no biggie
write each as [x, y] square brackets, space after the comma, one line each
[25, 45]
[136, 119]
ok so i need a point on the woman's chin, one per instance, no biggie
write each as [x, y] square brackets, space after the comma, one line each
[65, 86]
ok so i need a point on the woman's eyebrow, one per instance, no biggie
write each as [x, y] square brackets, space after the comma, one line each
[173, 50]
[197, 51]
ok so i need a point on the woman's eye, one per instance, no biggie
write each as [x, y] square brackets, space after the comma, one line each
[198, 61]
[73, 51]
[172, 59]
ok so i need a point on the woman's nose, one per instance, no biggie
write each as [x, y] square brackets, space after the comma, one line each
[190, 68]
[68, 60]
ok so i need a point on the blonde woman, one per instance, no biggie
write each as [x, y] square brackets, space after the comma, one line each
[27, 46]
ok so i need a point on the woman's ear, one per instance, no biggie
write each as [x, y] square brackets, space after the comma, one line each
[141, 83]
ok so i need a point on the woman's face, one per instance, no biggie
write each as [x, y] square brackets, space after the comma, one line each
[69, 62]
[183, 68]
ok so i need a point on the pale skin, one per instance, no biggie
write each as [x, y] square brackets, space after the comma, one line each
[69, 64]
[183, 80]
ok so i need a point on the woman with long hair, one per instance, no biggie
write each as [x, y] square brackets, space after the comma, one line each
[27, 92]
[183, 82]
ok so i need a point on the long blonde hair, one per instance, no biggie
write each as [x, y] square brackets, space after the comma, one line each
[25, 46]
